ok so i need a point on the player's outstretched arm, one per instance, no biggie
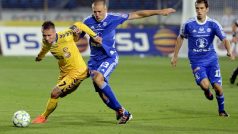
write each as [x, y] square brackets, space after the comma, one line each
[178, 45]
[147, 13]
[234, 33]
[78, 27]
[44, 50]
[227, 45]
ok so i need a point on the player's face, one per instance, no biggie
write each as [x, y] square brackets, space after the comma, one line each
[99, 11]
[49, 35]
[201, 11]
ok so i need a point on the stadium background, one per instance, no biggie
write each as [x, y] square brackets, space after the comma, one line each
[150, 36]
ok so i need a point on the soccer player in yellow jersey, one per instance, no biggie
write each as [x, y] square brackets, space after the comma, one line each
[72, 67]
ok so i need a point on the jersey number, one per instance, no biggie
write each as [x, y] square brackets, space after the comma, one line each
[218, 74]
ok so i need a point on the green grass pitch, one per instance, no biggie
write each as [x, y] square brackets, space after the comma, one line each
[163, 100]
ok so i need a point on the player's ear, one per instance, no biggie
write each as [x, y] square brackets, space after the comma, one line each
[105, 8]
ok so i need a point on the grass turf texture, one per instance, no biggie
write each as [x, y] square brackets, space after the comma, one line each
[162, 99]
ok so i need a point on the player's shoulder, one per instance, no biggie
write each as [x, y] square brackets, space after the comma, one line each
[190, 20]
[88, 19]
[213, 21]
[65, 34]
[117, 15]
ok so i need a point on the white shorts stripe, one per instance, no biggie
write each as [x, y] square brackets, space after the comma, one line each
[109, 69]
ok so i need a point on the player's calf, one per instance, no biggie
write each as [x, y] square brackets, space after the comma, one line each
[233, 76]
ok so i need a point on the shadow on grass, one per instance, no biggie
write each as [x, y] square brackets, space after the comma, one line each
[86, 120]
[7, 129]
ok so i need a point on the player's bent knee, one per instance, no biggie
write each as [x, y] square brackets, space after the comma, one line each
[205, 84]
[217, 87]
[98, 78]
[69, 90]
[56, 92]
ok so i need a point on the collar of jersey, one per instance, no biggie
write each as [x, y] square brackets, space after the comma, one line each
[201, 23]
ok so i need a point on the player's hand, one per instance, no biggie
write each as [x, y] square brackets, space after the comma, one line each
[167, 11]
[37, 59]
[231, 56]
[234, 39]
[174, 61]
[97, 40]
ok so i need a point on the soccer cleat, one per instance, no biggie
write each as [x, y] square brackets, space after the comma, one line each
[39, 119]
[123, 116]
[223, 114]
[208, 95]
[119, 113]
[126, 117]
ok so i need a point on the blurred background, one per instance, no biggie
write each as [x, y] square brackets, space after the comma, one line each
[158, 33]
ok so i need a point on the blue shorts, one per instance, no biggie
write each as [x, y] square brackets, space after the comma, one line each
[210, 71]
[105, 66]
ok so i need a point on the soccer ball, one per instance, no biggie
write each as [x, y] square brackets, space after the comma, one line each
[21, 119]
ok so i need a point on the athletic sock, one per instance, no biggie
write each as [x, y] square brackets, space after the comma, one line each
[220, 102]
[50, 107]
[112, 101]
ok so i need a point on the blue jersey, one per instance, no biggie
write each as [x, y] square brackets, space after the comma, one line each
[105, 29]
[200, 37]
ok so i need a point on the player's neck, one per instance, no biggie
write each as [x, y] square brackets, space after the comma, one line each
[56, 39]
[201, 20]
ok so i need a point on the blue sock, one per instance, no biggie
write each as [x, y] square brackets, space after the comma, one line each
[112, 100]
[220, 101]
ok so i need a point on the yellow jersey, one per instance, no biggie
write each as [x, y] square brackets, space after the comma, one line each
[65, 50]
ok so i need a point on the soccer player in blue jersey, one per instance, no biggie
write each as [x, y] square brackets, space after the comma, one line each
[200, 32]
[104, 58]
[235, 40]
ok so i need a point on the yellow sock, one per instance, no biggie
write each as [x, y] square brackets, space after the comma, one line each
[51, 105]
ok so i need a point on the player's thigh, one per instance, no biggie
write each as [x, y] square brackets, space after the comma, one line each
[214, 74]
[93, 64]
[199, 73]
[107, 67]
[70, 83]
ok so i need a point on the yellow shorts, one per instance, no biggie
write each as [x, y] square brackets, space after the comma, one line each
[69, 82]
